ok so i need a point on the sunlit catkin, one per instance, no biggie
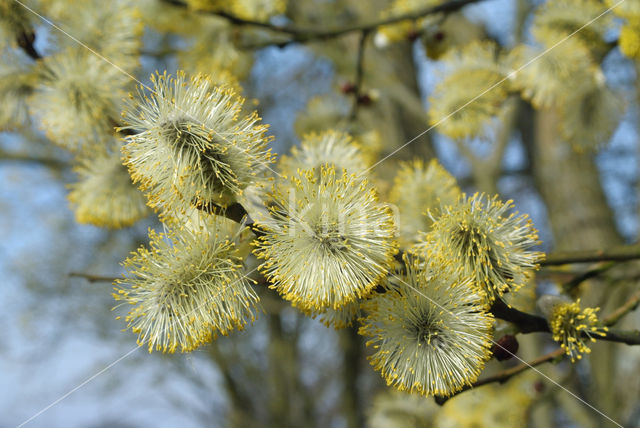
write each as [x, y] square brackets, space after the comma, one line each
[328, 240]
[471, 93]
[113, 29]
[417, 189]
[104, 195]
[585, 20]
[572, 326]
[428, 331]
[546, 79]
[489, 244]
[328, 147]
[259, 10]
[185, 289]
[78, 98]
[17, 81]
[193, 144]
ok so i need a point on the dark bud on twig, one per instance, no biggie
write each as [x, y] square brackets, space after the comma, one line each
[413, 35]
[25, 40]
[439, 36]
[365, 100]
[538, 387]
[347, 88]
[505, 348]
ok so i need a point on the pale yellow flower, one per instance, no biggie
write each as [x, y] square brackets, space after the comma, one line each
[193, 145]
[428, 330]
[329, 147]
[78, 99]
[558, 19]
[471, 92]
[417, 189]
[328, 240]
[572, 326]
[185, 290]
[104, 194]
[479, 235]
[547, 79]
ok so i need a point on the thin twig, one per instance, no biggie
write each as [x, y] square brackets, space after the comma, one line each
[505, 375]
[621, 254]
[589, 274]
[26, 40]
[526, 323]
[93, 278]
[511, 107]
[357, 91]
[627, 307]
[26, 158]
[302, 35]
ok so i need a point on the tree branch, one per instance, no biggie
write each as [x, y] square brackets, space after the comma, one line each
[627, 307]
[26, 40]
[357, 88]
[93, 278]
[27, 158]
[302, 35]
[620, 254]
[628, 337]
[589, 274]
[505, 375]
[527, 323]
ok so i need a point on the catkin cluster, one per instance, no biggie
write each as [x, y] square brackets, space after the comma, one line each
[416, 266]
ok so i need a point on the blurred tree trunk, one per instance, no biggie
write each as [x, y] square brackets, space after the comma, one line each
[352, 401]
[406, 111]
[580, 218]
[288, 398]
[569, 183]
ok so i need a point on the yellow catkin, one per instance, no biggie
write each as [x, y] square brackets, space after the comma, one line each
[574, 328]
[328, 240]
[186, 288]
[429, 330]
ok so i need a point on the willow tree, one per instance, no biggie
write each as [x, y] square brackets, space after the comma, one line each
[359, 225]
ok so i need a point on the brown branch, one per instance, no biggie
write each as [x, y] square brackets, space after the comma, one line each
[620, 254]
[93, 278]
[26, 40]
[357, 88]
[527, 323]
[302, 35]
[589, 274]
[505, 375]
[630, 337]
[352, 345]
[26, 158]
[627, 307]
